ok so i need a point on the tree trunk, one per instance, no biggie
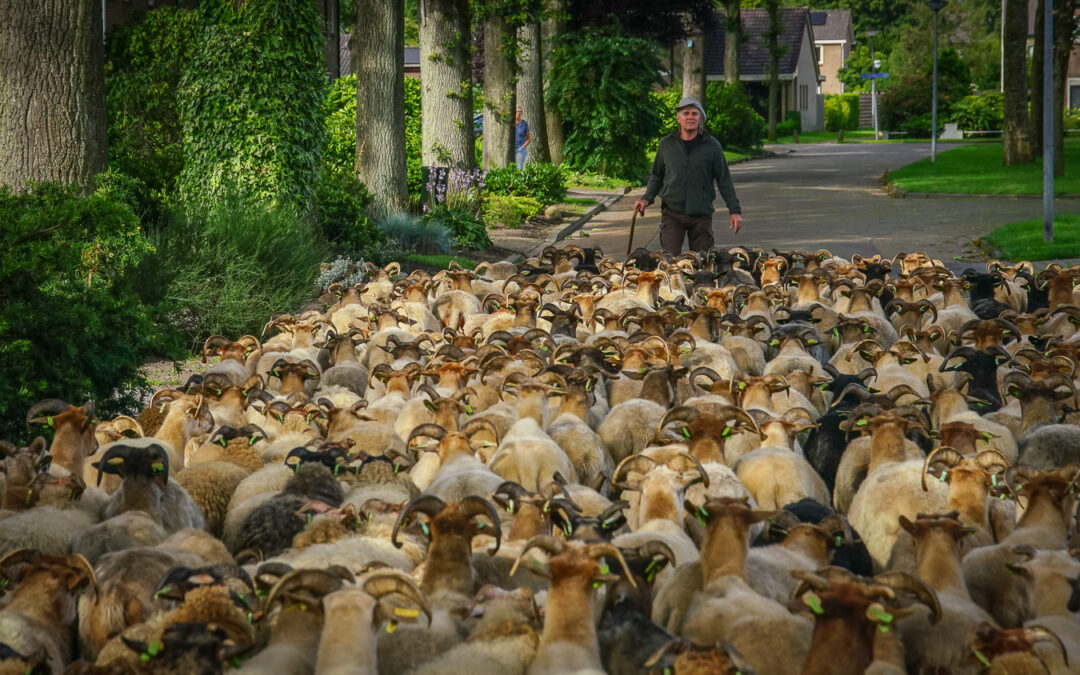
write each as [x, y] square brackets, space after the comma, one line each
[772, 44]
[551, 29]
[499, 94]
[732, 40]
[693, 83]
[1036, 84]
[446, 84]
[530, 91]
[1063, 28]
[52, 92]
[1016, 143]
[378, 59]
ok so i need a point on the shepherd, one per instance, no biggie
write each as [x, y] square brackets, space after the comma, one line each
[688, 162]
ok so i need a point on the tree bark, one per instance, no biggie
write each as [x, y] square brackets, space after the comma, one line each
[550, 30]
[378, 59]
[693, 83]
[499, 94]
[446, 84]
[1016, 141]
[530, 91]
[732, 40]
[53, 125]
[1063, 28]
[1036, 84]
[772, 44]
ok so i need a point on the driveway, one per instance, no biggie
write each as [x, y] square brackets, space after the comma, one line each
[827, 196]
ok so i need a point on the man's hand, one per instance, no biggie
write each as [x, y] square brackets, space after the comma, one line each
[736, 223]
[640, 205]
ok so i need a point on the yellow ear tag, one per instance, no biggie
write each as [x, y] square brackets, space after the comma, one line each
[391, 627]
[406, 613]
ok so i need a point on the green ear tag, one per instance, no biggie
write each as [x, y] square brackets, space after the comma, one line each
[883, 628]
[158, 466]
[742, 385]
[812, 342]
[253, 440]
[836, 332]
[307, 420]
[941, 478]
[235, 662]
[251, 619]
[686, 433]
[605, 569]
[154, 648]
[814, 603]
[468, 409]
[424, 529]
[510, 505]
[309, 516]
[881, 615]
[981, 657]
[223, 441]
[993, 479]
[49, 421]
[397, 467]
[481, 526]
[162, 592]
[685, 349]
[773, 343]
[596, 584]
[702, 514]
[726, 433]
[861, 423]
[650, 570]
[567, 529]
[839, 541]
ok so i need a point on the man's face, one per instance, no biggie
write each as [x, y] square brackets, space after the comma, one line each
[689, 118]
[517, 113]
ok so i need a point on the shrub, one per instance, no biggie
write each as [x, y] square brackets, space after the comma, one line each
[251, 101]
[339, 212]
[1072, 119]
[841, 112]
[982, 112]
[792, 123]
[466, 228]
[141, 82]
[75, 323]
[231, 264]
[600, 85]
[730, 116]
[510, 211]
[543, 182]
[416, 234]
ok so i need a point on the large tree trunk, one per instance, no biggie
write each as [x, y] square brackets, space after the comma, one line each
[1063, 28]
[693, 83]
[1016, 143]
[732, 40]
[772, 44]
[52, 92]
[550, 30]
[446, 84]
[530, 92]
[378, 59]
[1036, 84]
[499, 94]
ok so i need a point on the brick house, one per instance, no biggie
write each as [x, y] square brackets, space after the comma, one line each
[800, 88]
[834, 36]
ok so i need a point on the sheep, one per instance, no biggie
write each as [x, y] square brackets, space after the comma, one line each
[775, 476]
[41, 611]
[211, 485]
[569, 641]
[458, 473]
[805, 546]
[146, 486]
[1052, 577]
[73, 437]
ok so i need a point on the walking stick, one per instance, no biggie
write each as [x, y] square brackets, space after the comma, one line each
[630, 243]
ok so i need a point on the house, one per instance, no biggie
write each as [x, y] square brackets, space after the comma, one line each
[800, 87]
[834, 36]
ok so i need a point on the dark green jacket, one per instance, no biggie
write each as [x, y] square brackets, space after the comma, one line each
[685, 183]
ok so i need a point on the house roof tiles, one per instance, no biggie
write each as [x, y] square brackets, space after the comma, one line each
[836, 26]
[753, 56]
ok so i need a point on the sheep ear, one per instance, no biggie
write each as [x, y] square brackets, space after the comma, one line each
[908, 526]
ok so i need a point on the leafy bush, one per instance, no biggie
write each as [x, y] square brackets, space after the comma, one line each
[467, 229]
[792, 123]
[75, 323]
[600, 85]
[918, 126]
[729, 116]
[141, 83]
[591, 179]
[416, 234]
[510, 211]
[340, 200]
[251, 101]
[841, 112]
[981, 112]
[912, 96]
[1072, 119]
[228, 266]
[543, 182]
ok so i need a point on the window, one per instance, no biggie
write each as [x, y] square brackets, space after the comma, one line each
[820, 55]
[804, 91]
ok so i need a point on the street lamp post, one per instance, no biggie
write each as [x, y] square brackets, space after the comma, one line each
[936, 6]
[873, 82]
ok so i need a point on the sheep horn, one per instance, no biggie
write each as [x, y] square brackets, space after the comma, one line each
[682, 413]
[49, 405]
[639, 463]
[79, 562]
[906, 582]
[389, 581]
[544, 542]
[604, 548]
[322, 582]
[944, 454]
[1043, 634]
[686, 463]
[430, 430]
[992, 458]
[478, 506]
[429, 505]
[837, 523]
[105, 465]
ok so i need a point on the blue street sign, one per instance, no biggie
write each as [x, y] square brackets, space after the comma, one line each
[873, 76]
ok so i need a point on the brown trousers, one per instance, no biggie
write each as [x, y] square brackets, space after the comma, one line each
[675, 226]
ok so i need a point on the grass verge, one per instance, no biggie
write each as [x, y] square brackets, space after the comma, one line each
[977, 169]
[1024, 240]
[440, 261]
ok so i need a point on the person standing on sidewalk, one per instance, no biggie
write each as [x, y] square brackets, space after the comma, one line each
[521, 139]
[688, 162]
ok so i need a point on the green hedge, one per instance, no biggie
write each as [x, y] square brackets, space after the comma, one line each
[510, 211]
[841, 112]
[981, 112]
[77, 300]
[543, 182]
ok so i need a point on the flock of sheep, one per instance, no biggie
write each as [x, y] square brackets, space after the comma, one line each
[734, 462]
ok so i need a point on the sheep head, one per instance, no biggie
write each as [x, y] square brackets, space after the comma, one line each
[73, 430]
[727, 522]
[706, 433]
[988, 642]
[574, 564]
[661, 482]
[150, 463]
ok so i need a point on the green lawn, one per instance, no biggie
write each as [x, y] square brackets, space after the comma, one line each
[1024, 240]
[865, 136]
[977, 169]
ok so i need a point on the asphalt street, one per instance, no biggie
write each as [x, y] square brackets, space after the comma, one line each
[828, 196]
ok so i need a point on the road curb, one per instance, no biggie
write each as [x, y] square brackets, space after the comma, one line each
[897, 193]
[580, 221]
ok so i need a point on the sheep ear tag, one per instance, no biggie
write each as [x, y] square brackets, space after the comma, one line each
[811, 600]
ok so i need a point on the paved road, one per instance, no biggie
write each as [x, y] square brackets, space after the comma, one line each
[827, 196]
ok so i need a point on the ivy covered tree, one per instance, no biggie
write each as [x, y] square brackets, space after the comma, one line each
[446, 81]
[251, 101]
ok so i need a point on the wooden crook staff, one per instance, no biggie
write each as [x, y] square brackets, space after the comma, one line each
[630, 243]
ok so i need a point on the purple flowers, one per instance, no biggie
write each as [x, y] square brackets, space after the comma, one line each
[455, 188]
